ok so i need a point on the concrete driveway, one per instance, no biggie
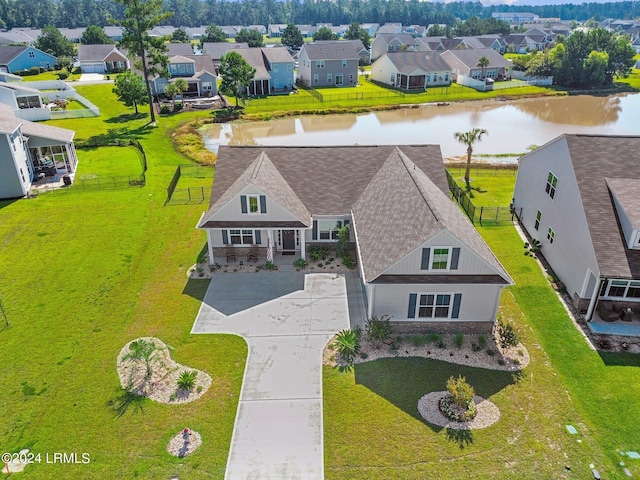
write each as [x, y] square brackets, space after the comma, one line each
[287, 319]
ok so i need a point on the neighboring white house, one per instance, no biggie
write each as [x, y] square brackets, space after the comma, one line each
[419, 258]
[27, 148]
[411, 70]
[578, 196]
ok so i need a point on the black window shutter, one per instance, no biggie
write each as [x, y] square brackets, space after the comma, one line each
[455, 312]
[225, 238]
[425, 259]
[413, 298]
[263, 204]
[455, 256]
[258, 237]
[346, 222]
[243, 203]
[314, 232]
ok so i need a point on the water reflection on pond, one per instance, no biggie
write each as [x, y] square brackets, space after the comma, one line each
[513, 126]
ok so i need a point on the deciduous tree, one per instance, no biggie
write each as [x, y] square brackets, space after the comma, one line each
[131, 90]
[251, 37]
[94, 35]
[54, 43]
[292, 37]
[236, 75]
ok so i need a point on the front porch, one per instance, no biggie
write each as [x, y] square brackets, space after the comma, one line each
[241, 257]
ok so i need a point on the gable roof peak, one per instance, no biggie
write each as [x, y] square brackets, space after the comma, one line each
[412, 169]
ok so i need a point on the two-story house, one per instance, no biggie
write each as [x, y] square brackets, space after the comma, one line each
[197, 70]
[274, 70]
[419, 258]
[328, 64]
[393, 42]
[577, 195]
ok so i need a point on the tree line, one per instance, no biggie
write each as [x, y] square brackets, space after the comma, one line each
[190, 13]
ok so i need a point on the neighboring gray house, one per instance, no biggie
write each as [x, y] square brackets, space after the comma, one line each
[179, 49]
[74, 35]
[114, 32]
[578, 196]
[27, 148]
[104, 58]
[419, 258]
[216, 50]
[392, 42]
[411, 70]
[465, 62]
[197, 70]
[328, 64]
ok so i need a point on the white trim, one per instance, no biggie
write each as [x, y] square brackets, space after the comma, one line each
[432, 252]
[210, 246]
[435, 305]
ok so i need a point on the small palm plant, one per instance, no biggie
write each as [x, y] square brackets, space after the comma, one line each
[348, 345]
[144, 351]
[187, 380]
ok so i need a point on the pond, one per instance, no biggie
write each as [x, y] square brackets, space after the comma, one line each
[513, 126]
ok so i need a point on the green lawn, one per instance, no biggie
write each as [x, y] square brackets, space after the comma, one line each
[84, 273]
[491, 187]
[373, 430]
[109, 161]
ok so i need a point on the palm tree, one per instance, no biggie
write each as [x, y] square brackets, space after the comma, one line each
[176, 88]
[469, 138]
[483, 62]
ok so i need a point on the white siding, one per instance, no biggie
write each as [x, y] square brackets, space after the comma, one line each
[382, 69]
[216, 237]
[308, 236]
[478, 303]
[232, 211]
[469, 262]
[572, 251]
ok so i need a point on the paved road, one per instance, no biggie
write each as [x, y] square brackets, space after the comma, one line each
[287, 320]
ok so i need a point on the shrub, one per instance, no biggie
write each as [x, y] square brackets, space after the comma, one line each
[490, 352]
[441, 344]
[165, 110]
[475, 347]
[63, 76]
[347, 344]
[187, 380]
[379, 329]
[314, 254]
[461, 392]
[507, 333]
[434, 337]
[342, 246]
[418, 340]
[177, 107]
[482, 340]
[349, 262]
[270, 266]
[458, 340]
[300, 263]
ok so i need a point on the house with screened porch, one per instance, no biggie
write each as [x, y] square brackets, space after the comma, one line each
[577, 195]
[418, 257]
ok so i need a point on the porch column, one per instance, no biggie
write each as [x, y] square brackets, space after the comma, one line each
[370, 300]
[210, 246]
[594, 299]
[302, 244]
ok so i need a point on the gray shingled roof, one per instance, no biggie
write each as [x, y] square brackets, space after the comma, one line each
[330, 51]
[626, 191]
[400, 209]
[253, 57]
[263, 174]
[408, 62]
[179, 49]
[95, 53]
[596, 158]
[9, 122]
[10, 52]
[277, 55]
[471, 56]
[217, 49]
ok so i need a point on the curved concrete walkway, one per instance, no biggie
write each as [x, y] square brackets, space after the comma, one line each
[278, 431]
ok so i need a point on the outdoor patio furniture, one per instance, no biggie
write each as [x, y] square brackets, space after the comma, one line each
[230, 252]
[606, 311]
[253, 253]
